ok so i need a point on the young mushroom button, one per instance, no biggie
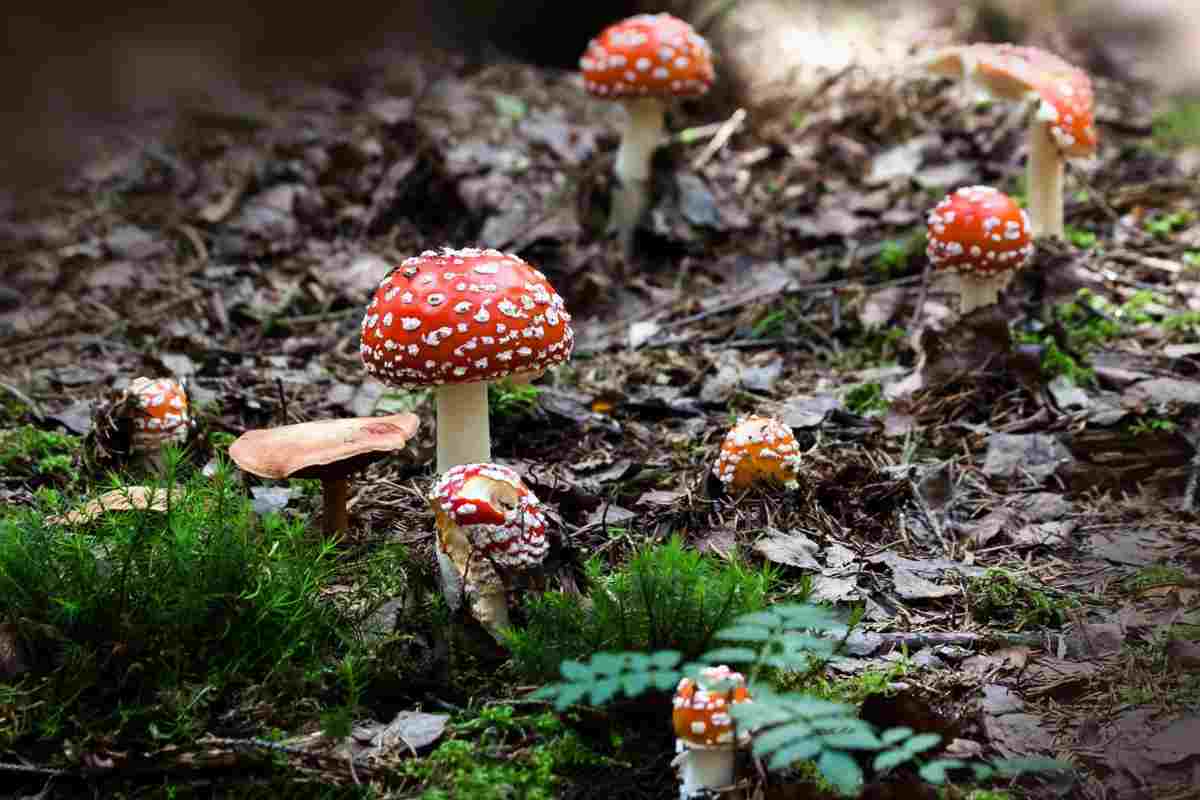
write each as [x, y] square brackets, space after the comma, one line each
[758, 450]
[456, 319]
[161, 415]
[982, 234]
[707, 736]
[643, 62]
[488, 523]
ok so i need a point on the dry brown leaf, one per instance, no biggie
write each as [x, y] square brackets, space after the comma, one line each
[130, 498]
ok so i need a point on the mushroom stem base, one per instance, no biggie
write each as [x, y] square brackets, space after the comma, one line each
[336, 492]
[701, 770]
[1045, 175]
[469, 578]
[976, 292]
[463, 433]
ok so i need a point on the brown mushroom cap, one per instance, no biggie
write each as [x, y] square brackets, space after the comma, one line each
[330, 448]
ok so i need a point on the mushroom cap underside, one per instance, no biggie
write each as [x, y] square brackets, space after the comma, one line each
[324, 449]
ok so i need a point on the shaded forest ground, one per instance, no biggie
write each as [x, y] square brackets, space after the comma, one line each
[781, 271]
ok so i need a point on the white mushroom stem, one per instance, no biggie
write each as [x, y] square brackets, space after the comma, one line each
[1045, 181]
[703, 769]
[463, 437]
[463, 434]
[977, 291]
[645, 121]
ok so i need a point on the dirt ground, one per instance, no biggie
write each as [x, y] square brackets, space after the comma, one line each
[780, 271]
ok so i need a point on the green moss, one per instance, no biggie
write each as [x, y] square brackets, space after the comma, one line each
[28, 451]
[140, 622]
[490, 758]
[1179, 125]
[1001, 598]
[510, 401]
[667, 596]
[866, 398]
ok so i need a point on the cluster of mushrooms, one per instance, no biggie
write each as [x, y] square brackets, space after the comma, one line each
[455, 319]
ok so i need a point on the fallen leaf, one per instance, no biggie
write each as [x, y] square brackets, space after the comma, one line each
[791, 549]
[911, 586]
[129, 498]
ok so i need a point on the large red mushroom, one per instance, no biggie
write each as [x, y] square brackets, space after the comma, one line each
[1063, 126]
[454, 320]
[644, 62]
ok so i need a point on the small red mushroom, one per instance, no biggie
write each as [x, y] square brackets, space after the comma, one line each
[758, 450]
[454, 320]
[982, 234]
[644, 62]
[489, 523]
[1063, 127]
[707, 737]
[161, 414]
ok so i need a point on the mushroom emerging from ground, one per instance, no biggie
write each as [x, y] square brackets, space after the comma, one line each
[456, 319]
[644, 62]
[983, 234]
[707, 739]
[160, 413]
[758, 450]
[329, 450]
[1063, 127]
[489, 525]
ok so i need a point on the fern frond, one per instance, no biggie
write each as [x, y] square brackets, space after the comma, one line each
[606, 675]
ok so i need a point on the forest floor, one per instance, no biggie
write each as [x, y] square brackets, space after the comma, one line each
[1039, 492]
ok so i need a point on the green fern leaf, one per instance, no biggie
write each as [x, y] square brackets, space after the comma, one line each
[861, 739]
[760, 714]
[935, 771]
[841, 770]
[745, 633]
[893, 735]
[575, 671]
[890, 759]
[777, 737]
[665, 659]
[799, 750]
[922, 742]
[731, 655]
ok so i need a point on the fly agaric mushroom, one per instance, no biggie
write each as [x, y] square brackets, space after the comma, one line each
[758, 450]
[489, 524]
[1063, 127]
[160, 413]
[707, 739]
[643, 61]
[329, 450]
[457, 319]
[983, 234]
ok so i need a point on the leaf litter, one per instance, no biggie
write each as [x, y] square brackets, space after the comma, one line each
[248, 270]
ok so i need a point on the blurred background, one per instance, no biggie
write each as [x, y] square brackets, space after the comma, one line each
[76, 75]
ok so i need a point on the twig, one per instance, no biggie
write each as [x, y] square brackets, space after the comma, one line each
[1189, 491]
[24, 398]
[32, 770]
[728, 128]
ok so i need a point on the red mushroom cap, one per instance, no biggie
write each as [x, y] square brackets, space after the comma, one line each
[463, 316]
[648, 55]
[162, 410]
[1067, 101]
[700, 712]
[499, 514]
[758, 449]
[979, 230]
